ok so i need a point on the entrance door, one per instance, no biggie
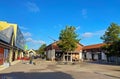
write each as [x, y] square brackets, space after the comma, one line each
[93, 56]
[99, 56]
[13, 58]
[67, 58]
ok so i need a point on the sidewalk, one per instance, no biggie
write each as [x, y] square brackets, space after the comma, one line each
[2, 67]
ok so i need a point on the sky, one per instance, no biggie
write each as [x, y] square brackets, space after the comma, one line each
[42, 20]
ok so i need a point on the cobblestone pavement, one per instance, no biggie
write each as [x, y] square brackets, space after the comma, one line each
[52, 70]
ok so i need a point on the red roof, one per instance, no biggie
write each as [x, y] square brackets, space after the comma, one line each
[94, 46]
[54, 46]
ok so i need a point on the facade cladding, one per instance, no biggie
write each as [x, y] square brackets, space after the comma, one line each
[20, 41]
[6, 34]
[6, 31]
[11, 42]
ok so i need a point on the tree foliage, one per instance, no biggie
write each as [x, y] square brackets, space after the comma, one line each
[112, 40]
[68, 39]
[41, 49]
[115, 48]
[112, 34]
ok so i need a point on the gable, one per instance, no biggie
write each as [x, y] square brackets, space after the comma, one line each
[31, 51]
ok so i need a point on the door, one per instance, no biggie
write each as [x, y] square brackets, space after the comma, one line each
[13, 58]
[93, 56]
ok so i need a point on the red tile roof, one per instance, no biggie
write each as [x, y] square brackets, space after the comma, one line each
[54, 46]
[94, 46]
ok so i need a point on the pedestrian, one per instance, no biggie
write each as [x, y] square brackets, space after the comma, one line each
[31, 60]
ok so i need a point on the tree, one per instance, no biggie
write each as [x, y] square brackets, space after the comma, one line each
[112, 40]
[41, 49]
[112, 34]
[115, 49]
[68, 39]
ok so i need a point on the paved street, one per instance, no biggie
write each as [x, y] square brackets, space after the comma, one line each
[51, 70]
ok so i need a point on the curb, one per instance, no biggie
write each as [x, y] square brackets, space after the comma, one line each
[2, 67]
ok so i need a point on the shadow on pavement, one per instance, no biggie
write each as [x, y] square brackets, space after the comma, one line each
[35, 75]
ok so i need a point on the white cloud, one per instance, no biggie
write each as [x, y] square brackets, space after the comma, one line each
[35, 41]
[29, 39]
[27, 34]
[87, 34]
[100, 32]
[23, 28]
[91, 34]
[38, 42]
[84, 13]
[32, 7]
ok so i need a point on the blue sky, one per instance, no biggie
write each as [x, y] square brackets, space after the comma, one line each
[41, 20]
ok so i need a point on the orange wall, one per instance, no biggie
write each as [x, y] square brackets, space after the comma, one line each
[79, 47]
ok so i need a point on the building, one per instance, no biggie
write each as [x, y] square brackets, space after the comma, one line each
[53, 52]
[90, 52]
[94, 52]
[11, 42]
[31, 52]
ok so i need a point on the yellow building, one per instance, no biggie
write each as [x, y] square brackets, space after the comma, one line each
[11, 42]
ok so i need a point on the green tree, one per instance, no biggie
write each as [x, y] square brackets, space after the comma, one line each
[41, 49]
[112, 40]
[112, 34]
[68, 39]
